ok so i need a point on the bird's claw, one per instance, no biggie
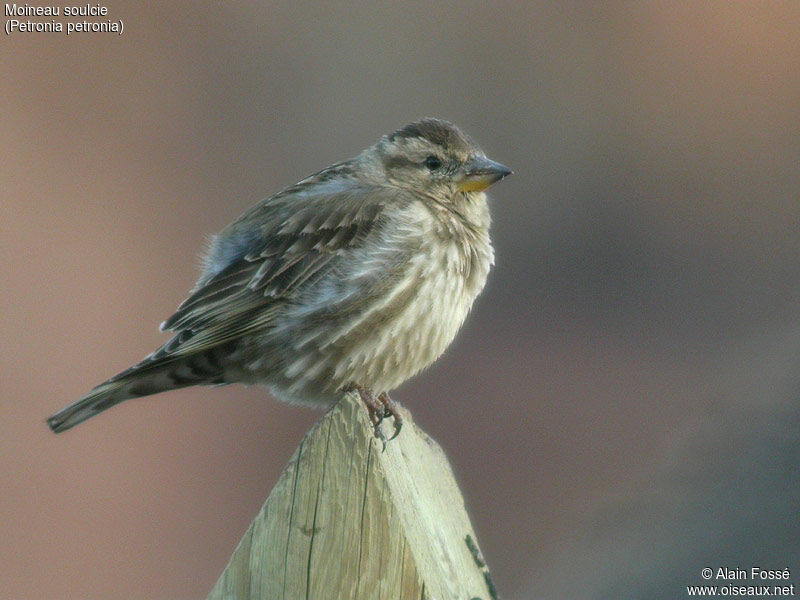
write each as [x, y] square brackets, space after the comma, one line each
[390, 409]
[379, 407]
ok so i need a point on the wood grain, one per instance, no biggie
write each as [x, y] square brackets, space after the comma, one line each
[349, 521]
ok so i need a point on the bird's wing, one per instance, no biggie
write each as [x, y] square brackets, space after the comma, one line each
[279, 246]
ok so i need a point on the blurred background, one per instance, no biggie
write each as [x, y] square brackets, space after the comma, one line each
[621, 408]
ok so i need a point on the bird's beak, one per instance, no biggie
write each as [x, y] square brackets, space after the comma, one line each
[479, 173]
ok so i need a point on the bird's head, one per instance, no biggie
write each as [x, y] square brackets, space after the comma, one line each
[435, 158]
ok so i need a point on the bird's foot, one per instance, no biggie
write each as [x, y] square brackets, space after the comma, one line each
[390, 408]
[379, 407]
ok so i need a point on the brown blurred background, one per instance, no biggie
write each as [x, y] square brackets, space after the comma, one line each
[621, 408]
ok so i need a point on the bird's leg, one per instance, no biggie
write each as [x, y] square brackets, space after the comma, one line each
[379, 407]
[375, 409]
[390, 408]
[374, 406]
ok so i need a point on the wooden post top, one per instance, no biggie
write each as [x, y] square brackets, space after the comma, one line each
[349, 521]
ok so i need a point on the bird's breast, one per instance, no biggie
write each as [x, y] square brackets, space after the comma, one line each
[381, 318]
[422, 310]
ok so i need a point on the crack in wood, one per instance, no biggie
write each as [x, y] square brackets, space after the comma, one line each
[291, 512]
[363, 507]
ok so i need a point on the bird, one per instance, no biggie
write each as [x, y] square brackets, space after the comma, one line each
[352, 280]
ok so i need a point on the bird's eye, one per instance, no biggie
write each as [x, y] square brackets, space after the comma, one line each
[432, 162]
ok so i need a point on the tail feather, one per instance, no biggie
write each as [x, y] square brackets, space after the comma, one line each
[144, 379]
[102, 397]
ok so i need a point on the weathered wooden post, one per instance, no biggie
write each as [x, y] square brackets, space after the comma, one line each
[349, 521]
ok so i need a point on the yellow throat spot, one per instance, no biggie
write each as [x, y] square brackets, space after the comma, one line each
[476, 183]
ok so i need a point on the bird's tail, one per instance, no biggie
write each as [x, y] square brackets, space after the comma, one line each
[153, 375]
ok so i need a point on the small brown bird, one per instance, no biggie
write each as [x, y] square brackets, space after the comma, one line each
[355, 278]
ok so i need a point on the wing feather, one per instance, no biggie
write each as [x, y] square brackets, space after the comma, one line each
[302, 231]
